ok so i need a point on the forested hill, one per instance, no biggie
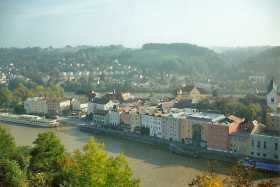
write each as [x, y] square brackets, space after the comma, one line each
[175, 57]
[267, 62]
[152, 58]
[238, 55]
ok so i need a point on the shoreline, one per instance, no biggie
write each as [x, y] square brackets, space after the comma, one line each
[173, 147]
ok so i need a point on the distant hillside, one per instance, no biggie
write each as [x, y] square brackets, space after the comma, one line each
[175, 57]
[238, 55]
[267, 62]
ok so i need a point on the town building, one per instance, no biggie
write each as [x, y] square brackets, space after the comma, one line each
[272, 98]
[152, 121]
[79, 104]
[114, 118]
[265, 144]
[212, 130]
[257, 79]
[274, 123]
[100, 103]
[100, 118]
[199, 122]
[36, 105]
[191, 92]
[135, 119]
[3, 78]
[175, 127]
[58, 105]
[218, 133]
[239, 141]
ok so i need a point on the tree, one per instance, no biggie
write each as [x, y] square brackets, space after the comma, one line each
[45, 158]
[22, 156]
[55, 91]
[242, 176]
[94, 167]
[209, 179]
[11, 174]
[47, 153]
[269, 183]
[6, 97]
[7, 144]
[39, 91]
[21, 92]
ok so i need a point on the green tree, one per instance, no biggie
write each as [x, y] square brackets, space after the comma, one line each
[22, 92]
[11, 174]
[39, 91]
[55, 91]
[22, 156]
[94, 167]
[7, 144]
[6, 97]
[47, 153]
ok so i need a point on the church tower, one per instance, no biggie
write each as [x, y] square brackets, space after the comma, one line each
[272, 96]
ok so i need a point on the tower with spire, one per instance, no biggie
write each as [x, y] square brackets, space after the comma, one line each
[272, 96]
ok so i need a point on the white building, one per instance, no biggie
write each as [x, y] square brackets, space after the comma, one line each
[100, 103]
[57, 106]
[153, 122]
[175, 127]
[79, 104]
[36, 105]
[114, 118]
[265, 145]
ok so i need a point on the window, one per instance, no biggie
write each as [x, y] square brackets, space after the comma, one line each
[264, 155]
[252, 153]
[276, 156]
[264, 145]
[272, 99]
[258, 154]
[259, 144]
[276, 146]
[252, 143]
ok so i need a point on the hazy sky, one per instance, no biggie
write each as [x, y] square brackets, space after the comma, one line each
[134, 22]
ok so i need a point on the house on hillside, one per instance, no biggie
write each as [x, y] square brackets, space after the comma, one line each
[191, 92]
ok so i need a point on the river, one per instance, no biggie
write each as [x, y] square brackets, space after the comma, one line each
[154, 167]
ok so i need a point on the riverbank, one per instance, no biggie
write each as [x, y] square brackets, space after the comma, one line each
[156, 167]
[174, 147]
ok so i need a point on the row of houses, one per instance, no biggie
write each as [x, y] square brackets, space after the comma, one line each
[211, 131]
[43, 105]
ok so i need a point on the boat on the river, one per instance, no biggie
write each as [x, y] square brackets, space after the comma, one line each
[28, 120]
[261, 164]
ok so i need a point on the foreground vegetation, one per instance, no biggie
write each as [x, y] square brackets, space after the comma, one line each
[47, 164]
[240, 177]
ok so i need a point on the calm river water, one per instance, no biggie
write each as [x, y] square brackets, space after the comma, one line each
[155, 167]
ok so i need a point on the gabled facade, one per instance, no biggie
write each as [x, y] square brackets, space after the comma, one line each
[100, 104]
[272, 96]
[191, 92]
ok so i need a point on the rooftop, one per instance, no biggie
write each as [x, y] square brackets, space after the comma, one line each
[210, 117]
[100, 100]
